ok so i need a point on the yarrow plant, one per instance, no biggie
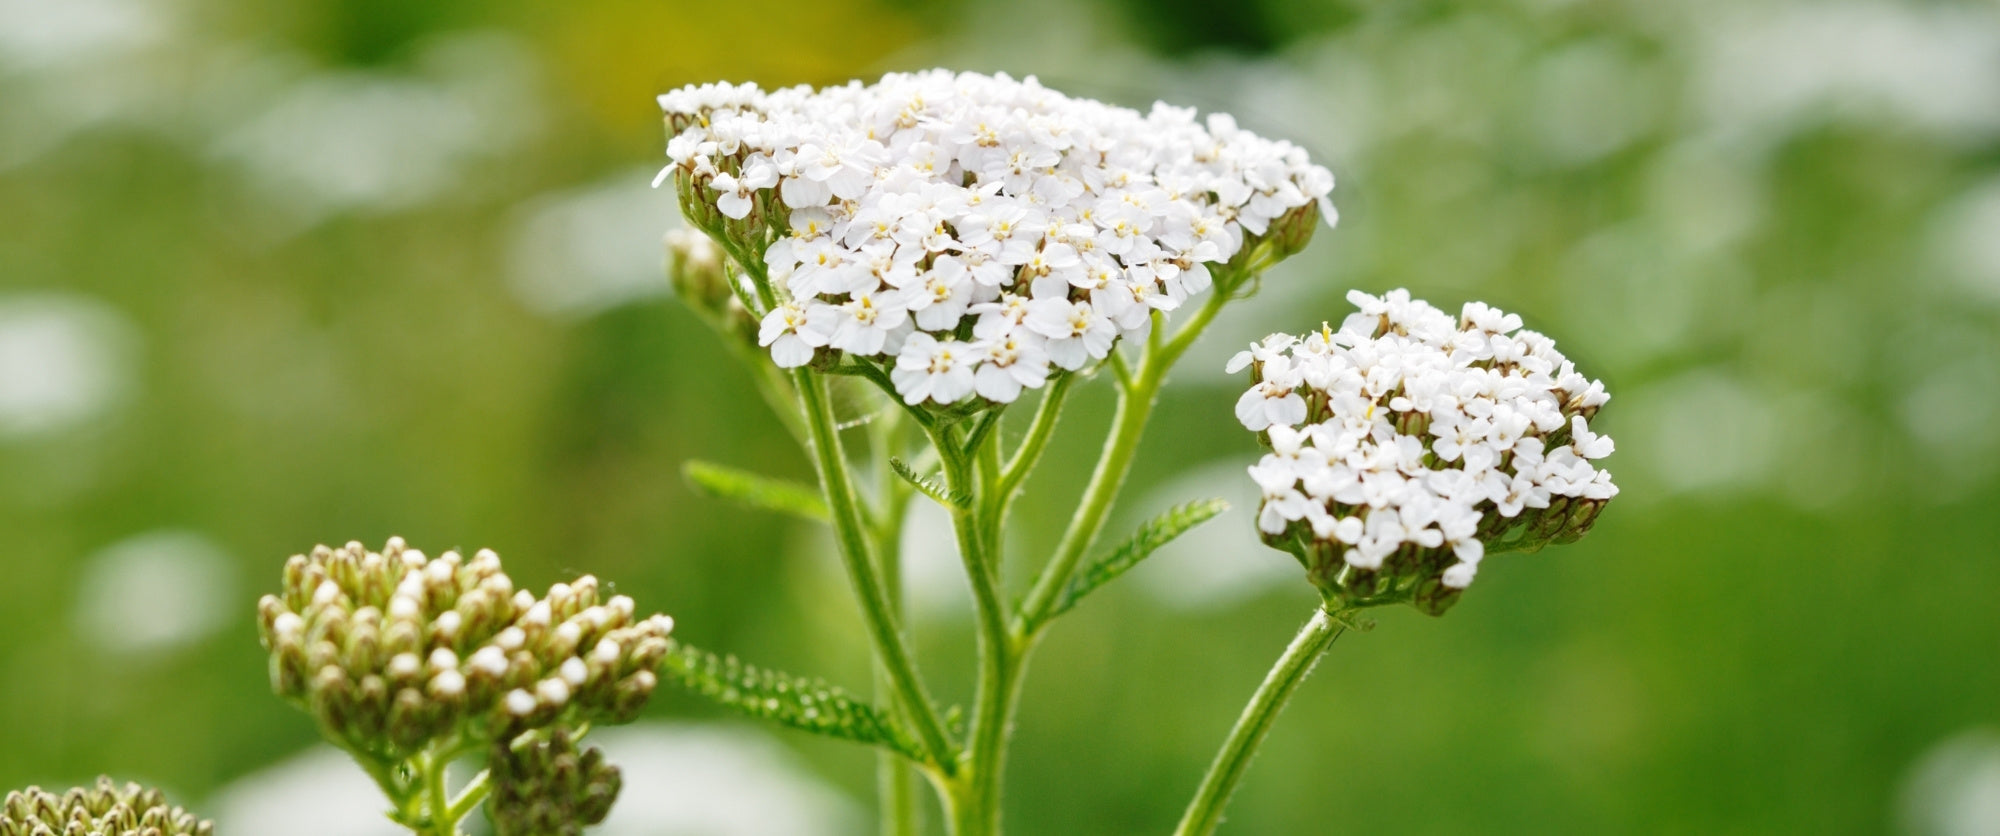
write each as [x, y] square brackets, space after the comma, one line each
[940, 245]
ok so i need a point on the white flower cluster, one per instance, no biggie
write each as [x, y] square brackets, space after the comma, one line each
[976, 232]
[1409, 431]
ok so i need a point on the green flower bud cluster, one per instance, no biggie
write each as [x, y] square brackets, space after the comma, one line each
[544, 786]
[694, 268]
[104, 810]
[696, 273]
[394, 652]
[1287, 236]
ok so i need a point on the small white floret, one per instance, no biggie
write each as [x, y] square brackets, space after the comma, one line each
[552, 692]
[405, 665]
[520, 703]
[447, 684]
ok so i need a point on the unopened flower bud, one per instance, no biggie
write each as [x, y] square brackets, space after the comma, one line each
[447, 623]
[547, 787]
[103, 810]
[489, 660]
[520, 703]
[447, 685]
[405, 666]
[394, 653]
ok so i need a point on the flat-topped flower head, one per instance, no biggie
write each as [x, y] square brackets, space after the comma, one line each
[1020, 230]
[1409, 444]
[106, 809]
[393, 651]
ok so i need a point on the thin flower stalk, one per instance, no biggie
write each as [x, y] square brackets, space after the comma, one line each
[1205, 811]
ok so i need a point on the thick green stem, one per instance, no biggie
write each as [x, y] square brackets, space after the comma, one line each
[440, 803]
[975, 794]
[895, 785]
[884, 630]
[1205, 811]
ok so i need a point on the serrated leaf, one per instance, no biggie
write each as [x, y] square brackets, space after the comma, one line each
[757, 491]
[1157, 532]
[804, 704]
[932, 486]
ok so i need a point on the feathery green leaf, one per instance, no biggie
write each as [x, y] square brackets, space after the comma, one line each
[1157, 532]
[757, 491]
[932, 486]
[805, 704]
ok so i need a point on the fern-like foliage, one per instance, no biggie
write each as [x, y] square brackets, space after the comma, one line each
[932, 486]
[1157, 532]
[756, 491]
[805, 704]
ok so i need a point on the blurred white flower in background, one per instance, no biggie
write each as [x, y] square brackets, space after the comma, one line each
[680, 779]
[1951, 407]
[933, 577]
[381, 142]
[156, 591]
[1966, 239]
[64, 359]
[1764, 72]
[1705, 431]
[68, 64]
[713, 780]
[318, 792]
[40, 35]
[1954, 789]
[584, 250]
[1592, 99]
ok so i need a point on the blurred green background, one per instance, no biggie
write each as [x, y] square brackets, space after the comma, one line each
[278, 274]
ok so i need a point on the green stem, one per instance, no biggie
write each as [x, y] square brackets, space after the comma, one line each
[470, 797]
[896, 792]
[1205, 811]
[440, 803]
[1135, 406]
[884, 630]
[1039, 431]
[975, 795]
[894, 780]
